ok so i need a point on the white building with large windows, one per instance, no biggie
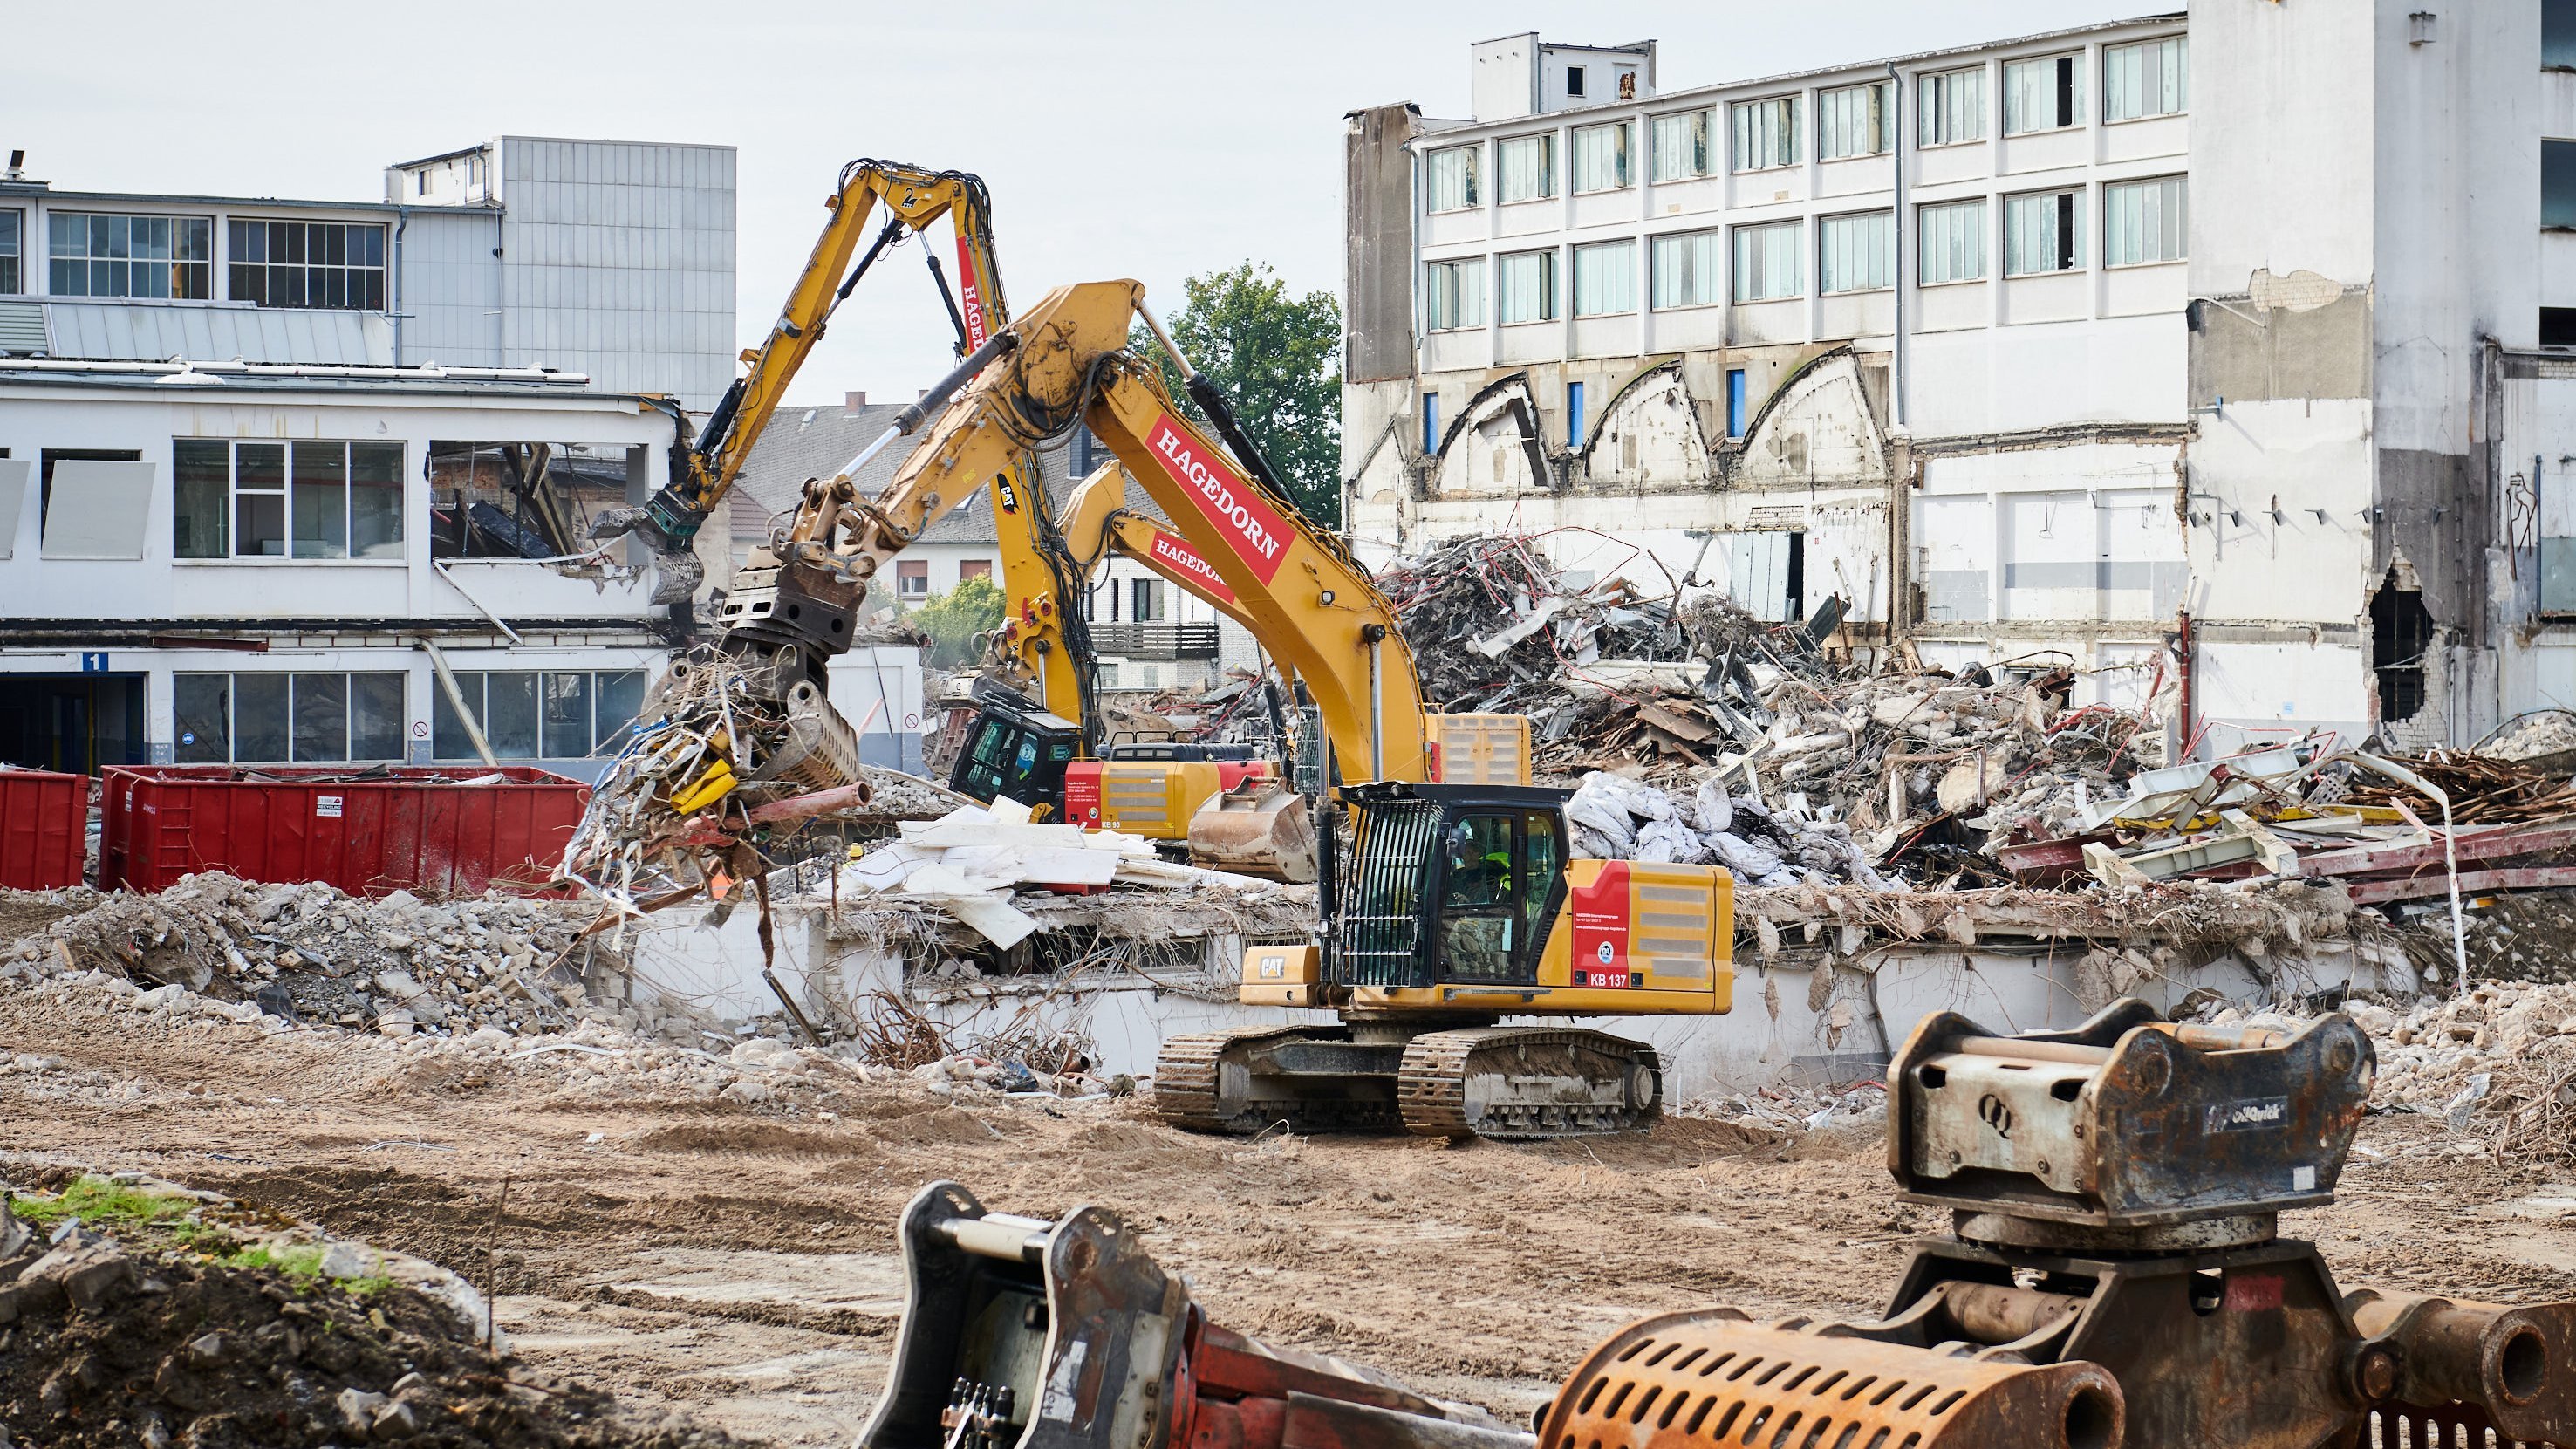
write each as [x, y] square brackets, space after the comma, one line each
[265, 465]
[2210, 351]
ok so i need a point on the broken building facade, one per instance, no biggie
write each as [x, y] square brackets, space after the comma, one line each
[255, 453]
[2213, 353]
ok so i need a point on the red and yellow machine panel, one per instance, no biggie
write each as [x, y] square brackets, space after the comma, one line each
[1634, 938]
[1151, 798]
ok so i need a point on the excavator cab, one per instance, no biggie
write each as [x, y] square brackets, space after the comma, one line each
[1019, 754]
[1449, 884]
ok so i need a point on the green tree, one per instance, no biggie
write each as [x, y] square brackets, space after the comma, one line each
[1278, 361]
[953, 619]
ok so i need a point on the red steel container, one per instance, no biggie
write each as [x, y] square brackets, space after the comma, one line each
[368, 832]
[44, 825]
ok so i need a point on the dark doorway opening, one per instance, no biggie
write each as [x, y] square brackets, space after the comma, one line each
[75, 723]
[2401, 634]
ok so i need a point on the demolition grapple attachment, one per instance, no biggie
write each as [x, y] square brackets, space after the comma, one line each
[2113, 1280]
[1020, 1333]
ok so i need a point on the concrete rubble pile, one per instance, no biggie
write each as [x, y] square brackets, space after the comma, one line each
[1677, 690]
[2544, 739]
[310, 953]
[1495, 627]
[2398, 833]
[2153, 926]
[2497, 1063]
[754, 1064]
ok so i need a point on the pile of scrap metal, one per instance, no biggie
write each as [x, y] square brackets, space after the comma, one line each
[731, 751]
[2113, 1277]
[1916, 765]
[2390, 830]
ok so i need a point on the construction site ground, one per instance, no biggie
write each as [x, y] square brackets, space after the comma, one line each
[737, 1262]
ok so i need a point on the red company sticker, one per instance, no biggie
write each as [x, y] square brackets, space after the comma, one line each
[970, 295]
[1186, 559]
[1257, 535]
[2253, 1292]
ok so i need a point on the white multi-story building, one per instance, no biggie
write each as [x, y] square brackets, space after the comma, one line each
[2209, 352]
[260, 458]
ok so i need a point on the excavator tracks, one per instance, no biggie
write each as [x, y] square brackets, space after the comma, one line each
[1508, 1082]
[1522, 1083]
[1226, 1082]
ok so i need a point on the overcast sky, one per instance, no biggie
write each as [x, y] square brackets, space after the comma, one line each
[1148, 140]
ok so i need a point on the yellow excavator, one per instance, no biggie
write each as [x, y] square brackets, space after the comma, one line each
[1460, 903]
[793, 619]
[912, 199]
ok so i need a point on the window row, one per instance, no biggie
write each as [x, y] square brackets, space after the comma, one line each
[323, 718]
[326, 264]
[2143, 223]
[309, 499]
[2140, 79]
[554, 714]
[225, 719]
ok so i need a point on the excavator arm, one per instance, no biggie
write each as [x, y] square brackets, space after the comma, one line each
[1298, 589]
[1038, 642]
[912, 198]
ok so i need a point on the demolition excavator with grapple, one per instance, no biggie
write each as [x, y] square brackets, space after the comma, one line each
[1460, 903]
[2113, 1278]
[796, 603]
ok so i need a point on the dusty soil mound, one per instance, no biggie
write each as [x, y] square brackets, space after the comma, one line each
[106, 1346]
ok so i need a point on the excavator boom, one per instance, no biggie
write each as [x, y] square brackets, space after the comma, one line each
[913, 198]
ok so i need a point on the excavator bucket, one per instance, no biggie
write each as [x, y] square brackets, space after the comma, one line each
[1021, 1333]
[676, 569]
[1260, 827]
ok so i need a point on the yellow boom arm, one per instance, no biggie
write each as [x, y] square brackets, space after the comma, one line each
[913, 199]
[1295, 585]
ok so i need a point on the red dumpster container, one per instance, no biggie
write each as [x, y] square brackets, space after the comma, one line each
[44, 825]
[368, 832]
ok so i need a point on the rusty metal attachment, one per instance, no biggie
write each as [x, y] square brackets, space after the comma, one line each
[2127, 1123]
[1697, 1379]
[1020, 1333]
[1260, 827]
[2114, 1282]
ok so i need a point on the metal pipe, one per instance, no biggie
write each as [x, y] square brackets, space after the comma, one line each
[456, 701]
[402, 223]
[933, 400]
[479, 608]
[1992, 1313]
[2035, 1051]
[999, 1235]
[2450, 859]
[1377, 714]
[1896, 348]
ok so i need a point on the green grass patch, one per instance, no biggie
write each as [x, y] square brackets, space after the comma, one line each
[101, 1203]
[300, 1262]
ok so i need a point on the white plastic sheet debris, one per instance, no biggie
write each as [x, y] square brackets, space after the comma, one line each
[969, 861]
[1618, 818]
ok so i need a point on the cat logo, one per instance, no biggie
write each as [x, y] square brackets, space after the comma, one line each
[1010, 497]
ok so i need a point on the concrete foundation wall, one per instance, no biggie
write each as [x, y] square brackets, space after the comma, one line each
[1785, 1028]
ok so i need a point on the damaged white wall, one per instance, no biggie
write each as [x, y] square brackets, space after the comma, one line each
[2344, 361]
[1784, 1028]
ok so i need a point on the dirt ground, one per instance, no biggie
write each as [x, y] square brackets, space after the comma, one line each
[737, 1261]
